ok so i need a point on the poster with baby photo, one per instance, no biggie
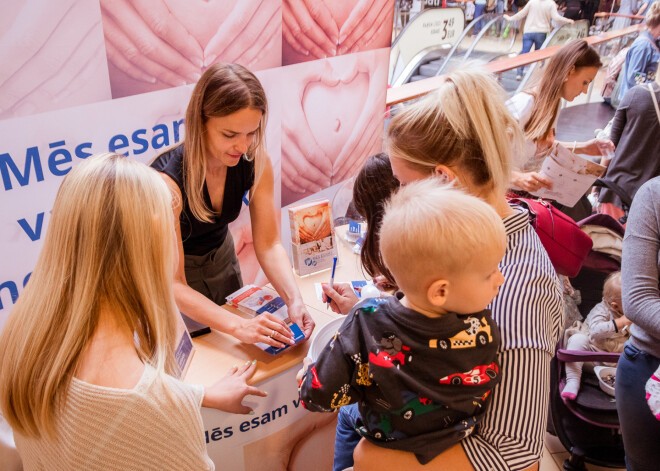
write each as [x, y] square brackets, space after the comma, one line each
[332, 121]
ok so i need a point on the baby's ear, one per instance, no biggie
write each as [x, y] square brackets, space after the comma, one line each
[437, 293]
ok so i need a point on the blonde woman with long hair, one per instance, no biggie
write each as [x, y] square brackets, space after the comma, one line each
[463, 133]
[87, 355]
[566, 75]
[222, 159]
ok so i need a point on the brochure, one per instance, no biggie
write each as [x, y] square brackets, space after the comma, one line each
[571, 175]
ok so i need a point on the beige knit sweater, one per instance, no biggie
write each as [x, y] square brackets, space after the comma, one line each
[124, 429]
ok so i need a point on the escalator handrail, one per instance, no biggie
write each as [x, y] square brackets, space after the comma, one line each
[481, 34]
[407, 72]
[469, 27]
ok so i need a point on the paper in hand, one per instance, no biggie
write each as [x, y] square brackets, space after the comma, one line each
[571, 175]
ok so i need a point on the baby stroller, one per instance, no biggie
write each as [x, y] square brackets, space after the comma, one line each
[588, 427]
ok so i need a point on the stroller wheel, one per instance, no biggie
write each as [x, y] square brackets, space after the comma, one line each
[575, 462]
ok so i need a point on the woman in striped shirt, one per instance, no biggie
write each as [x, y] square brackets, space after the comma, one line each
[463, 133]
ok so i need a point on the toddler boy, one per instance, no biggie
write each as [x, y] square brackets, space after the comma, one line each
[421, 367]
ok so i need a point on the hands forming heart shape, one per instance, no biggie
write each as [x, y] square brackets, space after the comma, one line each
[332, 122]
[324, 28]
[172, 42]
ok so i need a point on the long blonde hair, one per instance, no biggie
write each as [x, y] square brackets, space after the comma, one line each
[465, 123]
[549, 84]
[109, 242]
[222, 90]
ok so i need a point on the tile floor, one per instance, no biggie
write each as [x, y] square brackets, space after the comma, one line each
[554, 455]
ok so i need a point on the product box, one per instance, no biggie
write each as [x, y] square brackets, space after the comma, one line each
[250, 299]
[254, 301]
[312, 237]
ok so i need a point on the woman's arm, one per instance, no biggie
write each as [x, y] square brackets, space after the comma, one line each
[557, 18]
[530, 181]
[271, 254]
[201, 309]
[639, 269]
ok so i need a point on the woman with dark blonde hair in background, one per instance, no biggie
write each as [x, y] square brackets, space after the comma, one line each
[566, 75]
[87, 364]
[463, 133]
[223, 161]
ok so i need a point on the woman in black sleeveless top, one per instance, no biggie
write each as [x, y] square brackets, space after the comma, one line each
[221, 162]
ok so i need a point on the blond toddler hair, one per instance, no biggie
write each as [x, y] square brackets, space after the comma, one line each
[431, 230]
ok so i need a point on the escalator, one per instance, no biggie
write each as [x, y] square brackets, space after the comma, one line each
[495, 38]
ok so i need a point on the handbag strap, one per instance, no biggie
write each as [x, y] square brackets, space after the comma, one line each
[655, 101]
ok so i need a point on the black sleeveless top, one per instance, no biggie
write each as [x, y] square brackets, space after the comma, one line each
[199, 237]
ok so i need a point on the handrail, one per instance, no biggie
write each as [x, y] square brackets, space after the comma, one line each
[465, 32]
[413, 90]
[603, 14]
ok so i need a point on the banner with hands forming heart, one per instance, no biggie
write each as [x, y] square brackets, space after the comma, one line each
[157, 44]
[315, 29]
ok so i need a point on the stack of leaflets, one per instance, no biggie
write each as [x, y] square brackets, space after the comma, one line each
[254, 301]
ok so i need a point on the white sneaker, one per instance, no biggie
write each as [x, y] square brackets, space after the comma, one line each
[518, 77]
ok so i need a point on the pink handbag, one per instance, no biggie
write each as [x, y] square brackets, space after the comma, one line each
[567, 245]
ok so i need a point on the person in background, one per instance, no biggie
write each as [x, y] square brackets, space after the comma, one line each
[87, 356]
[640, 271]
[635, 131]
[540, 14]
[464, 133]
[480, 7]
[221, 162]
[567, 75]
[572, 9]
[604, 330]
[643, 56]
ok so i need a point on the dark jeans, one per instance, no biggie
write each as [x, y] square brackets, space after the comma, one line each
[346, 438]
[529, 39]
[478, 11]
[640, 429]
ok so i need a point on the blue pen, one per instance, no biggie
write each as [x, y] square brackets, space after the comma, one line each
[332, 279]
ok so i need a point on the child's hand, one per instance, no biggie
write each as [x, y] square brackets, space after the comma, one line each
[622, 322]
[228, 393]
[303, 370]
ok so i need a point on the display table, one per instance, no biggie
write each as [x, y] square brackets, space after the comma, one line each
[281, 434]
[348, 268]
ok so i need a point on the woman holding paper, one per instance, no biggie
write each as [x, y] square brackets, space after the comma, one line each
[222, 162]
[566, 75]
[87, 356]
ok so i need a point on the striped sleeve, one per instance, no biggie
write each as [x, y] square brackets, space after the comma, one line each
[529, 312]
